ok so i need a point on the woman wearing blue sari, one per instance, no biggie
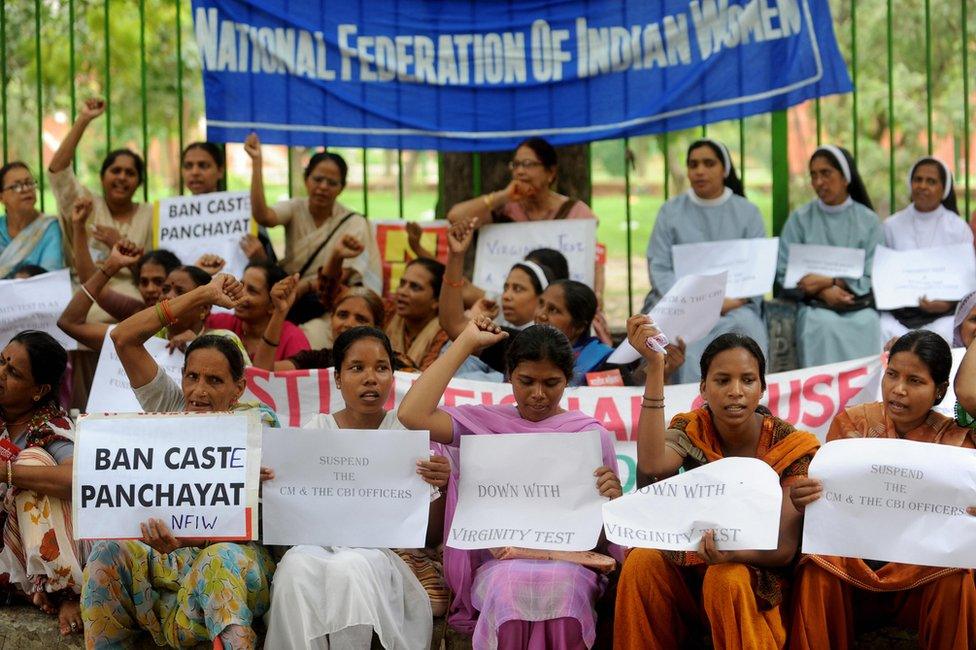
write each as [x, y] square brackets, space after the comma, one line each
[27, 237]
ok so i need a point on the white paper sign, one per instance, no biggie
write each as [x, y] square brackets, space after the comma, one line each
[750, 263]
[894, 500]
[900, 278]
[529, 490]
[35, 304]
[738, 498]
[832, 261]
[501, 245]
[191, 226]
[346, 488]
[111, 391]
[689, 310]
[199, 473]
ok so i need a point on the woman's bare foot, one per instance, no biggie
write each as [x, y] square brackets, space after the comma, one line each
[43, 603]
[69, 616]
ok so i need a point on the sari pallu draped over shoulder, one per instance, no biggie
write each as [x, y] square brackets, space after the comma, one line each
[781, 446]
[871, 421]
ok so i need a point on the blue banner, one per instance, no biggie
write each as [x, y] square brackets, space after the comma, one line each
[468, 75]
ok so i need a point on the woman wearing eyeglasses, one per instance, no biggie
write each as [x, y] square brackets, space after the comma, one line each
[27, 237]
[315, 225]
[529, 195]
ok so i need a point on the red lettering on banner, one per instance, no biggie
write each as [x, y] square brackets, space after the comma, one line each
[811, 395]
[294, 397]
[846, 391]
[253, 375]
[572, 404]
[793, 417]
[325, 392]
[698, 402]
[451, 395]
[606, 413]
[487, 398]
[635, 411]
[507, 399]
[391, 400]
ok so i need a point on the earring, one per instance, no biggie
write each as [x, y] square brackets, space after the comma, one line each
[37, 398]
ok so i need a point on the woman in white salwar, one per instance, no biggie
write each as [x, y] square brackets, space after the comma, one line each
[931, 219]
[337, 598]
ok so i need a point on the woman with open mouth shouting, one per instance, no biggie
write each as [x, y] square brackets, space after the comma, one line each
[514, 603]
[114, 214]
[829, 590]
[661, 594]
[337, 596]
[163, 584]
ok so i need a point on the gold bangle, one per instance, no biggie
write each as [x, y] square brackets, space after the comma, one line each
[10, 474]
[654, 399]
[489, 199]
[652, 406]
[456, 284]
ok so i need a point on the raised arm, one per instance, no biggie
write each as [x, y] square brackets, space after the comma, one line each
[480, 207]
[419, 408]
[965, 381]
[74, 318]
[91, 109]
[259, 206]
[80, 212]
[451, 301]
[130, 335]
[283, 295]
[654, 459]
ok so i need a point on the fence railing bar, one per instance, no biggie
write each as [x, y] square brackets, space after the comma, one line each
[630, 273]
[365, 183]
[928, 74]
[71, 74]
[854, 146]
[891, 109]
[3, 76]
[40, 100]
[108, 77]
[965, 99]
[179, 83]
[145, 105]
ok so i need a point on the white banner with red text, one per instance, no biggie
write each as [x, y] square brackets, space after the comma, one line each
[809, 398]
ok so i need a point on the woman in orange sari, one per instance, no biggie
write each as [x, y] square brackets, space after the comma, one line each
[663, 594]
[831, 594]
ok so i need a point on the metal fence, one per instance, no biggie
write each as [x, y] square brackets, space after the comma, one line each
[909, 60]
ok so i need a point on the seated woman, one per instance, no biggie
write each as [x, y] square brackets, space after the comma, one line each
[661, 594]
[26, 235]
[149, 270]
[836, 320]
[332, 283]
[528, 196]
[253, 313]
[202, 172]
[164, 584]
[713, 209]
[513, 603]
[38, 553]
[315, 224]
[832, 595]
[114, 214]
[180, 280]
[932, 219]
[412, 323]
[339, 597]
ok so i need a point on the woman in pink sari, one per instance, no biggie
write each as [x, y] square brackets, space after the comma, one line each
[514, 603]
